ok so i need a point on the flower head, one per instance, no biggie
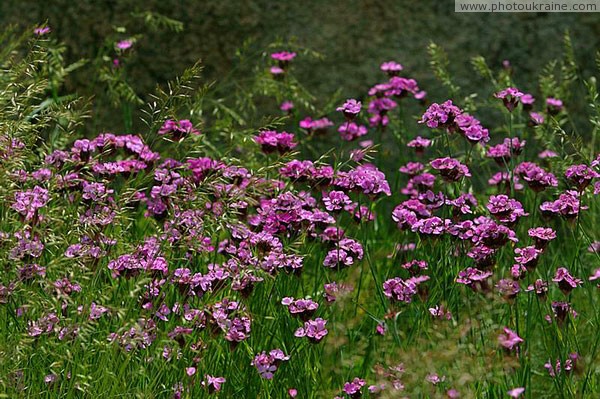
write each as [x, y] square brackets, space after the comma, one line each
[566, 282]
[314, 330]
[510, 97]
[350, 108]
[41, 30]
[124, 44]
[392, 68]
[509, 339]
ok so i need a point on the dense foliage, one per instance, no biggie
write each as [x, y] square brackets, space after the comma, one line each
[222, 251]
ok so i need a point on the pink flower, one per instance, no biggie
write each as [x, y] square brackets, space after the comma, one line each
[124, 44]
[314, 330]
[271, 140]
[516, 392]
[392, 68]
[268, 364]
[510, 97]
[509, 340]
[353, 387]
[554, 105]
[286, 106]
[536, 118]
[213, 384]
[350, 131]
[284, 56]
[276, 71]
[434, 378]
[178, 129]
[41, 30]
[350, 108]
[566, 282]
[190, 371]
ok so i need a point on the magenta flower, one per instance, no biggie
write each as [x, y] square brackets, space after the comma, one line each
[283, 56]
[440, 312]
[392, 68]
[400, 87]
[351, 131]
[412, 168]
[276, 71]
[28, 202]
[483, 256]
[333, 290]
[368, 180]
[271, 141]
[50, 379]
[178, 129]
[547, 154]
[350, 108]
[286, 106]
[433, 226]
[304, 308]
[569, 365]
[508, 288]
[581, 176]
[502, 153]
[419, 144]
[567, 205]
[124, 44]
[502, 180]
[595, 275]
[516, 392]
[336, 201]
[213, 384]
[560, 311]
[463, 204]
[314, 330]
[316, 126]
[434, 378]
[346, 253]
[506, 210]
[566, 282]
[536, 118]
[421, 96]
[509, 339]
[542, 236]
[527, 100]
[415, 266]
[527, 256]
[540, 287]
[554, 105]
[510, 97]
[471, 129]
[353, 388]
[190, 371]
[440, 116]
[450, 169]
[266, 365]
[474, 278]
[96, 311]
[536, 177]
[41, 30]
[401, 290]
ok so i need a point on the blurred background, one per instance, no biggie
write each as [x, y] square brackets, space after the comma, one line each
[354, 36]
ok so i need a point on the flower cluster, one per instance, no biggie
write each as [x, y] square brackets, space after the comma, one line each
[267, 364]
[178, 129]
[271, 141]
